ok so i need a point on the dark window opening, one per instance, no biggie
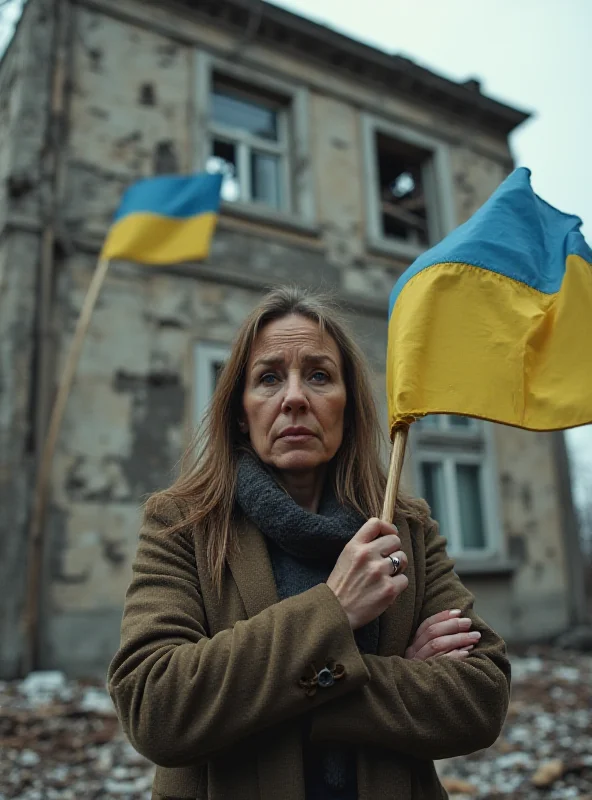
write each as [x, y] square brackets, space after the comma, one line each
[147, 95]
[403, 204]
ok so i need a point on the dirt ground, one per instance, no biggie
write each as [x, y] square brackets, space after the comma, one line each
[60, 740]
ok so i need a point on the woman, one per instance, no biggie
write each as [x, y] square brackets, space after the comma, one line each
[279, 642]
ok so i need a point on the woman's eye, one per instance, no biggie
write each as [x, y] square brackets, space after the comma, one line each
[319, 376]
[268, 379]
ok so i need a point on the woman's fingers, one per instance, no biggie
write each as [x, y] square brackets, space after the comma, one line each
[386, 545]
[463, 652]
[439, 629]
[372, 529]
[363, 579]
[443, 616]
[458, 655]
[443, 645]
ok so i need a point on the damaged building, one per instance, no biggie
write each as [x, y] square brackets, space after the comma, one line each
[341, 164]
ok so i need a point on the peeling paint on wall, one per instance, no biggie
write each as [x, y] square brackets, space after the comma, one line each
[475, 179]
[129, 114]
[158, 404]
[130, 412]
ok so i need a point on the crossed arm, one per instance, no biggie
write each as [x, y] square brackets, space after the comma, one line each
[432, 707]
[183, 695]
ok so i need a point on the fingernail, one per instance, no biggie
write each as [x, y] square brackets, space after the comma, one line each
[463, 652]
[465, 623]
[474, 635]
[456, 612]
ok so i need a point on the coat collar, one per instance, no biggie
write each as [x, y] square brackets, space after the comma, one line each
[251, 569]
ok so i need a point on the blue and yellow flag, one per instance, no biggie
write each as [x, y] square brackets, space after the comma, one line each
[495, 321]
[165, 220]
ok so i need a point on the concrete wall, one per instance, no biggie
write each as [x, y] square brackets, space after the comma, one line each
[130, 414]
[533, 526]
[24, 100]
[115, 137]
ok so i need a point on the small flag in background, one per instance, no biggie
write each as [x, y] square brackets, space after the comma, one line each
[165, 220]
[496, 320]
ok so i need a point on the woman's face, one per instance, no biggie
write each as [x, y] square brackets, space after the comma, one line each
[294, 398]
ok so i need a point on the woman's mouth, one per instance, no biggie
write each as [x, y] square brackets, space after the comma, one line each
[296, 433]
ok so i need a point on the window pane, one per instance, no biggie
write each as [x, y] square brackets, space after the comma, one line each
[459, 422]
[472, 530]
[432, 476]
[224, 160]
[265, 178]
[256, 118]
[430, 422]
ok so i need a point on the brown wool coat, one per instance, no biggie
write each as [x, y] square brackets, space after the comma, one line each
[209, 688]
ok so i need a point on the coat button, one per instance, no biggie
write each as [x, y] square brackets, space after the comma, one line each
[325, 678]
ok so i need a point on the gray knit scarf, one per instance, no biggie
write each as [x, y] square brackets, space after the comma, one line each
[303, 548]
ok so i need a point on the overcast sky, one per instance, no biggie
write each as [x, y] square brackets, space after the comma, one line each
[535, 54]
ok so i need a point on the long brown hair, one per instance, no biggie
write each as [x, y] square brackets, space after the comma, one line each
[207, 482]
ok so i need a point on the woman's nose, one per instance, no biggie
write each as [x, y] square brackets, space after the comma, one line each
[295, 398]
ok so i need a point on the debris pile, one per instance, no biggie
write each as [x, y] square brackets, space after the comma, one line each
[60, 740]
[545, 750]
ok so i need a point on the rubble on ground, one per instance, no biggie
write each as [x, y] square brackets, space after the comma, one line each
[545, 750]
[60, 740]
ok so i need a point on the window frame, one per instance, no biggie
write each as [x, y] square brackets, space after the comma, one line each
[246, 143]
[296, 171]
[437, 179]
[448, 445]
[205, 356]
[444, 425]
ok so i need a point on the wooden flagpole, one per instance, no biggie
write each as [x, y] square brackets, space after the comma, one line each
[394, 473]
[35, 532]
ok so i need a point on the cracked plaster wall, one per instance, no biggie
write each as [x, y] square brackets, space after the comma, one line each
[129, 415]
[532, 521]
[24, 94]
[119, 128]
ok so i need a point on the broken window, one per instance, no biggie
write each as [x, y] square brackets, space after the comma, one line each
[249, 143]
[455, 476]
[403, 179]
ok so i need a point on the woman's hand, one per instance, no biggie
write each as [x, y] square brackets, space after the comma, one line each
[362, 578]
[444, 634]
